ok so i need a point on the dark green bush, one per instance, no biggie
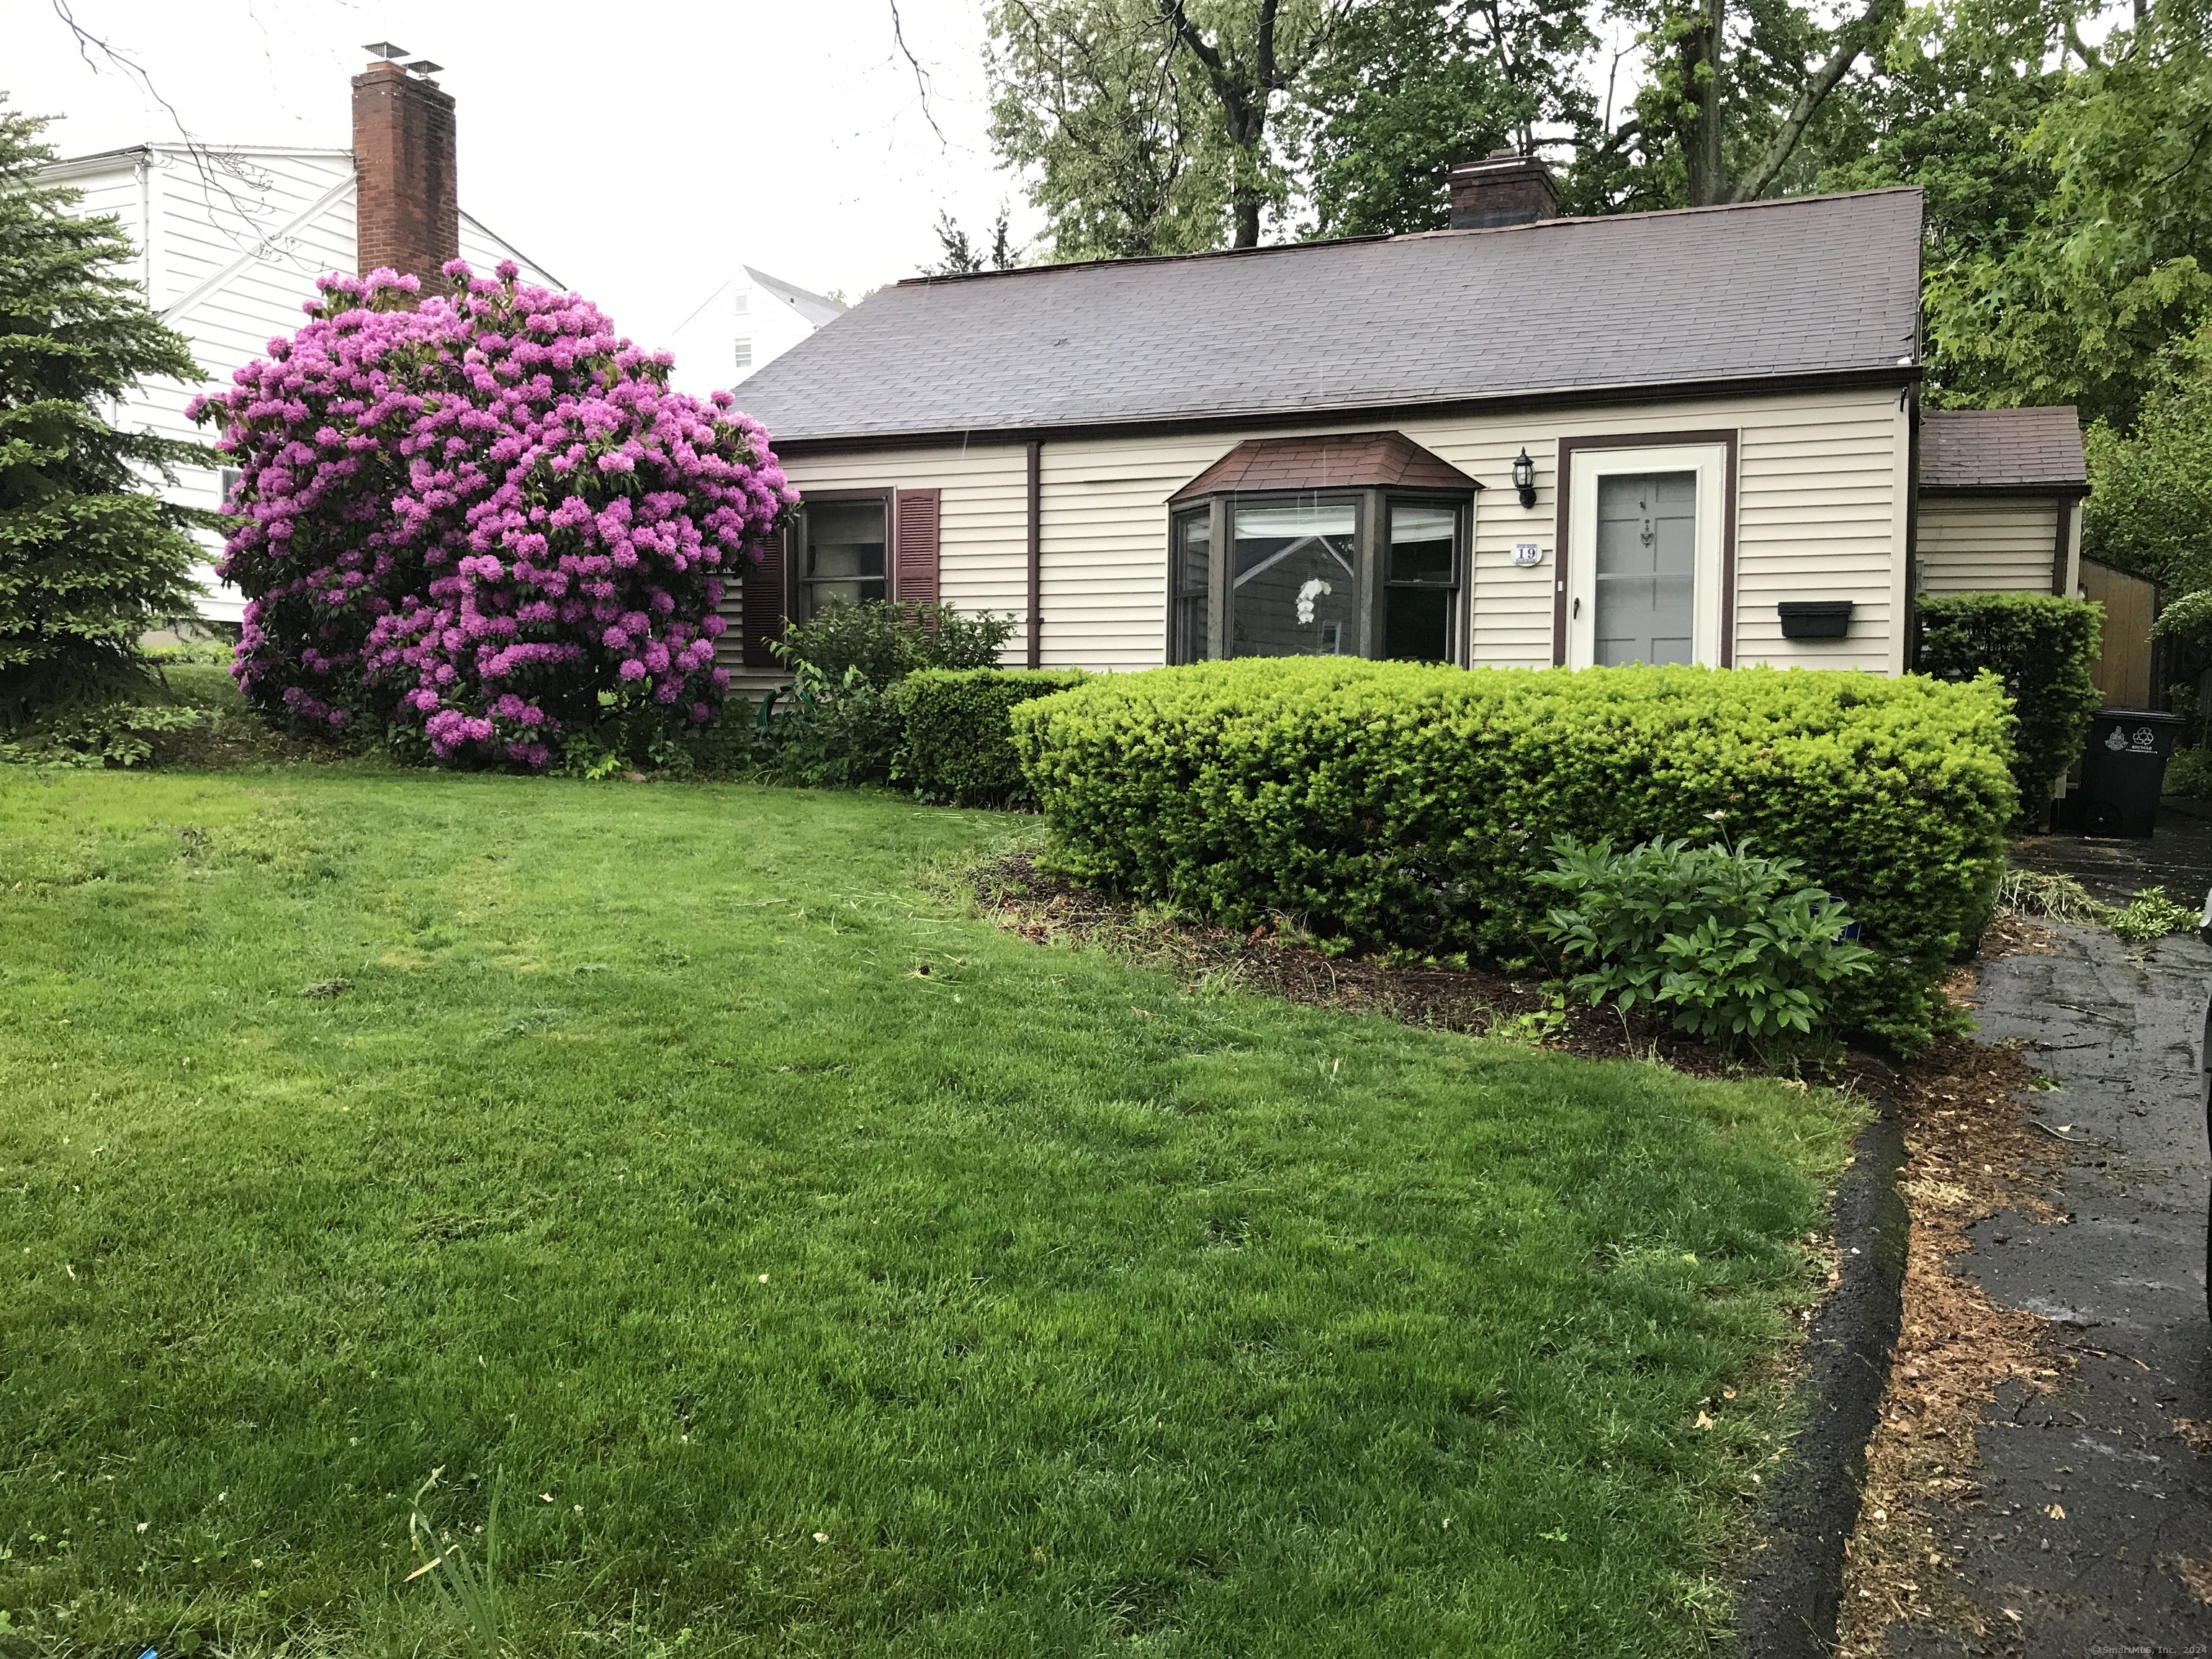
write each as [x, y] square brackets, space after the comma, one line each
[886, 641]
[1396, 802]
[814, 734]
[1731, 943]
[2041, 646]
[839, 726]
[958, 743]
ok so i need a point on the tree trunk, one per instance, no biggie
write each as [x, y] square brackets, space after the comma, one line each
[1701, 61]
[1244, 209]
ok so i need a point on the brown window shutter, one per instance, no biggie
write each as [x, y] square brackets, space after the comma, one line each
[914, 540]
[764, 606]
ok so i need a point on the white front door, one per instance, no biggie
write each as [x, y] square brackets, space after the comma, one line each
[1644, 558]
[1644, 589]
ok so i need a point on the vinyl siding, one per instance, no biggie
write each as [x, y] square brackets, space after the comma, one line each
[1821, 508]
[228, 257]
[983, 533]
[1994, 544]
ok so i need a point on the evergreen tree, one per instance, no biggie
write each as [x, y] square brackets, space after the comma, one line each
[89, 556]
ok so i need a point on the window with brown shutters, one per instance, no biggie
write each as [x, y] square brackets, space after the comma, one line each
[761, 596]
[914, 541]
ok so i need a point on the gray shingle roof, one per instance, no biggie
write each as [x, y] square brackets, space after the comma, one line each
[1808, 285]
[2010, 449]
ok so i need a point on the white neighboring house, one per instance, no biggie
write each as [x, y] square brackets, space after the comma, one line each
[748, 322]
[230, 242]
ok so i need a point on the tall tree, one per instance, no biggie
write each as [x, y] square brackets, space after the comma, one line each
[1093, 100]
[89, 556]
[1150, 126]
[1404, 88]
[1962, 88]
[1732, 92]
[1251, 52]
[2117, 262]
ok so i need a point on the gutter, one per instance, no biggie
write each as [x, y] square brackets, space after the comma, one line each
[1888, 375]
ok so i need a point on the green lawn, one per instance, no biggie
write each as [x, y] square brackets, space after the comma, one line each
[802, 1301]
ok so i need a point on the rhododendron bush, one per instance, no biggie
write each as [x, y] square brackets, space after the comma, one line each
[484, 521]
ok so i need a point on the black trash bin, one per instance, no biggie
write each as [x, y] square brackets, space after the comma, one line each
[2123, 770]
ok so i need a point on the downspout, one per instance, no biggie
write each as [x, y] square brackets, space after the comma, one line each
[1913, 534]
[1037, 552]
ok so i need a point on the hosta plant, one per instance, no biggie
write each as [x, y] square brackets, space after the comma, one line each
[1731, 945]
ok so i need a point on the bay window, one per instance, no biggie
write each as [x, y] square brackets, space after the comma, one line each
[1353, 546]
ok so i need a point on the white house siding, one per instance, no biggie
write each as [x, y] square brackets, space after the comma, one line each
[1820, 514]
[229, 243]
[741, 312]
[1990, 544]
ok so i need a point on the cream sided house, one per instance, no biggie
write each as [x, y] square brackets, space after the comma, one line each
[1667, 437]
[231, 241]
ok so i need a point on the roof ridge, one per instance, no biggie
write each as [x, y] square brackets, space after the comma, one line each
[934, 279]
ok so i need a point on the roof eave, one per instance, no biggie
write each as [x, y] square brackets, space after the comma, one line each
[1890, 374]
[2072, 490]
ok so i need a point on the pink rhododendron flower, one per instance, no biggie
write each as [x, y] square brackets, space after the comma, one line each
[473, 517]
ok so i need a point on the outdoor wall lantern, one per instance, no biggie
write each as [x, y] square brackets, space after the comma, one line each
[1524, 476]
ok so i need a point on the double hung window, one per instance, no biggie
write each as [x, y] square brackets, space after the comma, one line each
[1190, 558]
[841, 554]
[1420, 597]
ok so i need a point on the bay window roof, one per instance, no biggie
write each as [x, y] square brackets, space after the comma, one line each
[1341, 460]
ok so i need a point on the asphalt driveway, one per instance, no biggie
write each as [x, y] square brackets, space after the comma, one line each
[2094, 1531]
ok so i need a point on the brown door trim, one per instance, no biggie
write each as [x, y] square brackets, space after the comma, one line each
[1729, 438]
[2065, 516]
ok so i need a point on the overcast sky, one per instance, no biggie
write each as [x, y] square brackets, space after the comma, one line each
[639, 150]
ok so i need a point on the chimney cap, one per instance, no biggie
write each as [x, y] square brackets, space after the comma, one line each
[421, 66]
[386, 49]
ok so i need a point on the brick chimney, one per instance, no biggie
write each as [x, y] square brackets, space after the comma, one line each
[1504, 188]
[407, 214]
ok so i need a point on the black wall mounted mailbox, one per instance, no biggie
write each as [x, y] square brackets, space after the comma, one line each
[1815, 619]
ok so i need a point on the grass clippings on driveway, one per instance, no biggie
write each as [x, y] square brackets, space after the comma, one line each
[1971, 1152]
[814, 1268]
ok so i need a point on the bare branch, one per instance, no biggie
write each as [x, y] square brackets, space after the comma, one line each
[921, 75]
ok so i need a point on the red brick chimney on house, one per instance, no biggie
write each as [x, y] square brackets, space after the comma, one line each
[1504, 188]
[408, 213]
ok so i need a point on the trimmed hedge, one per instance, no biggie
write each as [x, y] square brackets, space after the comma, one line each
[2041, 646]
[1402, 803]
[959, 745]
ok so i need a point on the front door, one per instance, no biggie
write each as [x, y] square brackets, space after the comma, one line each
[1645, 588]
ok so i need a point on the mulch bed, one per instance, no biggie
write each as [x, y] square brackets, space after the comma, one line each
[1278, 960]
[1971, 1152]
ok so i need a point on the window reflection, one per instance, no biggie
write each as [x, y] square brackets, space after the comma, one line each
[1295, 578]
[843, 557]
[1423, 582]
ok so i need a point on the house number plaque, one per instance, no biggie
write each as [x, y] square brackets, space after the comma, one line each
[1527, 555]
